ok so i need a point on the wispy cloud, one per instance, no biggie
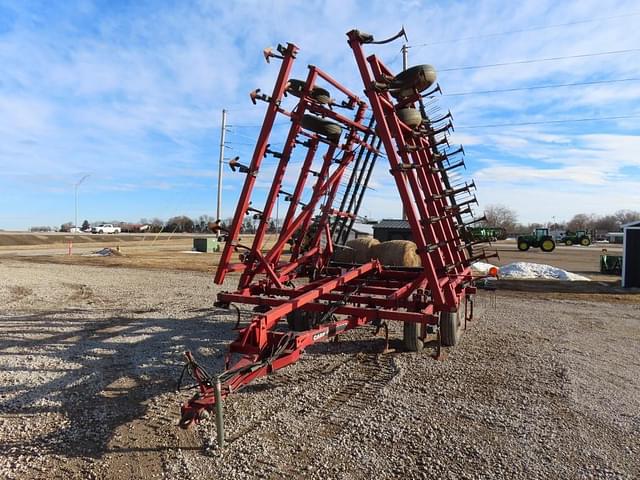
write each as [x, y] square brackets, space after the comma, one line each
[133, 94]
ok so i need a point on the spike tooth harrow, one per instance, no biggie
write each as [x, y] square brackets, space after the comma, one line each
[336, 297]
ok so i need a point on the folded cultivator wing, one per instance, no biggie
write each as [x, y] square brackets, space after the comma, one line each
[338, 137]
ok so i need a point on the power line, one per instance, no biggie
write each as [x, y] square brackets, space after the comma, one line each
[275, 124]
[531, 29]
[536, 87]
[543, 122]
[537, 60]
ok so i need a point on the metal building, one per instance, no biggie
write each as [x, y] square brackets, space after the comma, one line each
[391, 229]
[631, 256]
[360, 230]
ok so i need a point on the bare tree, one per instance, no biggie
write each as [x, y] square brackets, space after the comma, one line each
[501, 216]
[203, 222]
[626, 216]
[581, 221]
[606, 223]
[179, 224]
[156, 225]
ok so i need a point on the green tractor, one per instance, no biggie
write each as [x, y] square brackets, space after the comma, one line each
[579, 237]
[488, 234]
[539, 239]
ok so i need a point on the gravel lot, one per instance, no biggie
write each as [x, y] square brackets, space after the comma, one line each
[538, 388]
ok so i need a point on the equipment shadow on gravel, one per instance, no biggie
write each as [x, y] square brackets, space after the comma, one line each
[100, 373]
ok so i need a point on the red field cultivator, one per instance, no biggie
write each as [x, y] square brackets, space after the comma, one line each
[302, 296]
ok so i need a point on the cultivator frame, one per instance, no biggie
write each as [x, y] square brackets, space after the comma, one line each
[337, 297]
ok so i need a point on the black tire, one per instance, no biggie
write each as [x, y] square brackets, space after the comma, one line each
[419, 77]
[321, 95]
[322, 126]
[568, 243]
[410, 117]
[585, 242]
[523, 245]
[100, 231]
[410, 337]
[547, 245]
[295, 87]
[449, 328]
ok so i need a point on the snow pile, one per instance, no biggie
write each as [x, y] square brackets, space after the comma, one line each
[526, 270]
[538, 270]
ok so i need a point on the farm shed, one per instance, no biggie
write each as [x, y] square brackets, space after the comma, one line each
[360, 230]
[391, 229]
[631, 256]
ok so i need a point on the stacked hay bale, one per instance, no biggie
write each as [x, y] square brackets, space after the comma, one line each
[394, 253]
[356, 251]
[397, 253]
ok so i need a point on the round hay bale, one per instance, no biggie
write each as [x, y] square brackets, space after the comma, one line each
[362, 248]
[397, 253]
[355, 251]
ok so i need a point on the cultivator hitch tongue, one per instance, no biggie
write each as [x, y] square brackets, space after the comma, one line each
[305, 294]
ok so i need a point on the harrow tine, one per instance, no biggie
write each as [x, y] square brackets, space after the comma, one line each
[450, 192]
[444, 117]
[449, 167]
[475, 220]
[275, 154]
[443, 141]
[257, 213]
[256, 95]
[437, 89]
[462, 204]
[236, 166]
[472, 244]
[446, 128]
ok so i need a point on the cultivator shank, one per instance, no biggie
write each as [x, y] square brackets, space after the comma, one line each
[301, 297]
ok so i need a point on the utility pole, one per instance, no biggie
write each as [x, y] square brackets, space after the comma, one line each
[405, 56]
[223, 129]
[75, 187]
[405, 62]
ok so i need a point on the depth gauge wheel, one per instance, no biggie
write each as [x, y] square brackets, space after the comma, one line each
[410, 117]
[410, 337]
[295, 87]
[450, 328]
[419, 77]
[321, 95]
[324, 127]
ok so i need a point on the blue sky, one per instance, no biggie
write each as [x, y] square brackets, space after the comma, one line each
[132, 92]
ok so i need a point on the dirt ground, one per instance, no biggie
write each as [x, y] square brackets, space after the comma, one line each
[545, 384]
[173, 252]
[157, 251]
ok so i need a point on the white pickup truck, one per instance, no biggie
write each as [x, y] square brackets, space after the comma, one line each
[105, 228]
